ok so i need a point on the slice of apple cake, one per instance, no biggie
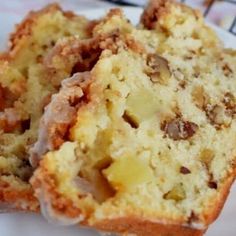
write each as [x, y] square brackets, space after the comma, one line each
[24, 91]
[144, 141]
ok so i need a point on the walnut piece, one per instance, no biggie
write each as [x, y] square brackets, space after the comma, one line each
[217, 115]
[230, 104]
[212, 184]
[159, 69]
[184, 170]
[178, 129]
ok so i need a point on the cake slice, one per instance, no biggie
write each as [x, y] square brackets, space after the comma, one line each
[144, 141]
[24, 91]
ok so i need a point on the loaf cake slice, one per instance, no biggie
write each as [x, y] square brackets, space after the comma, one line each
[144, 141]
[24, 91]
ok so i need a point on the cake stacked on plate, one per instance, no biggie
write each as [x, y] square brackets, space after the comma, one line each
[121, 128]
[24, 92]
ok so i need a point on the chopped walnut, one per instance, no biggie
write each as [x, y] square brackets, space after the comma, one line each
[182, 84]
[159, 69]
[178, 129]
[193, 218]
[227, 70]
[230, 104]
[217, 115]
[129, 119]
[212, 184]
[184, 170]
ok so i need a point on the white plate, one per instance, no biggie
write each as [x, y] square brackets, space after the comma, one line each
[26, 224]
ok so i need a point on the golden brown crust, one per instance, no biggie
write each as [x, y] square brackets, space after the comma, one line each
[129, 224]
[4, 57]
[75, 55]
[44, 182]
[154, 11]
[90, 27]
[140, 227]
[159, 9]
[19, 46]
[24, 29]
[114, 12]
[53, 125]
[17, 199]
[11, 197]
[212, 214]
[43, 179]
